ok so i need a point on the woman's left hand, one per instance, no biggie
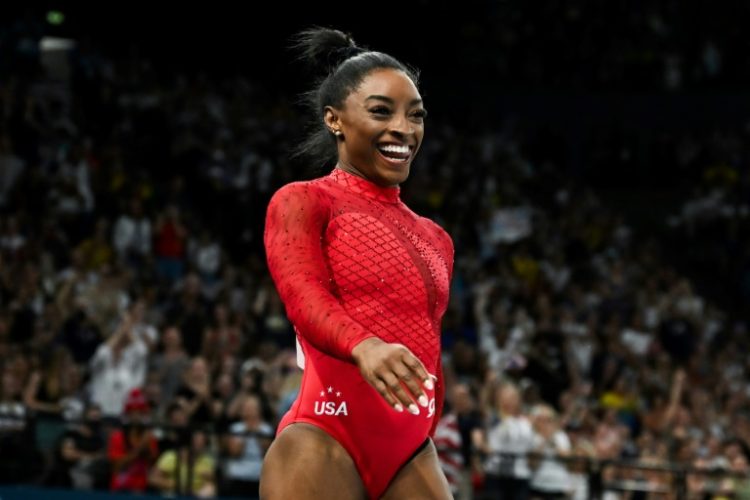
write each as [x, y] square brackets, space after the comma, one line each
[395, 372]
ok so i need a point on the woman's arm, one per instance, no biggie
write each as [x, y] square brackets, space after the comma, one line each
[295, 223]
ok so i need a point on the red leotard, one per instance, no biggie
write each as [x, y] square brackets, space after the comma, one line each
[351, 261]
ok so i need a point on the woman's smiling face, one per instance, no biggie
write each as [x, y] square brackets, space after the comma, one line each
[381, 127]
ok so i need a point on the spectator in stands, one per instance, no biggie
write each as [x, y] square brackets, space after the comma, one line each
[17, 433]
[463, 402]
[195, 393]
[187, 470]
[170, 241]
[507, 441]
[245, 446]
[206, 257]
[132, 450]
[118, 366]
[131, 236]
[170, 364]
[44, 391]
[81, 459]
[187, 308]
[142, 329]
[96, 250]
[448, 442]
[550, 478]
[175, 432]
[222, 337]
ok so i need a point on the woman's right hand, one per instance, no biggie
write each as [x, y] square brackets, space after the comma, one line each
[396, 373]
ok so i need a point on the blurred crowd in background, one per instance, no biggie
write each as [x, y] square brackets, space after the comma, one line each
[140, 331]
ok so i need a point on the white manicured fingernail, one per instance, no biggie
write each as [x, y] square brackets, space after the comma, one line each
[428, 384]
[423, 400]
[398, 408]
[413, 409]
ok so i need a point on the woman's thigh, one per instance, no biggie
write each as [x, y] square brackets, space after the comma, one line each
[304, 462]
[420, 479]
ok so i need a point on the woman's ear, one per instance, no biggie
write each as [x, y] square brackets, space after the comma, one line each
[332, 120]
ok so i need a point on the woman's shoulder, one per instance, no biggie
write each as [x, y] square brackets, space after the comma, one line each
[306, 185]
[306, 192]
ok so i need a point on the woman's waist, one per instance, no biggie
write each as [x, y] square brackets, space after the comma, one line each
[335, 388]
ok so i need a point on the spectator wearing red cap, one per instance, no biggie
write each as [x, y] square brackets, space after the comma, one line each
[132, 450]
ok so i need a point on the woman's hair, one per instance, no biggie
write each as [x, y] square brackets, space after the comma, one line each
[339, 66]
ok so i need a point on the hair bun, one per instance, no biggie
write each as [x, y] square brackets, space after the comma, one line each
[324, 48]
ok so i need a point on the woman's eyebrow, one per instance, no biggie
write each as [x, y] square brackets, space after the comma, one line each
[391, 101]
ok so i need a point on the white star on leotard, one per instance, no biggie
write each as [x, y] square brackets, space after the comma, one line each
[322, 393]
[330, 390]
[338, 394]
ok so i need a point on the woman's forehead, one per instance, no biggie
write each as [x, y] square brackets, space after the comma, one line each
[387, 82]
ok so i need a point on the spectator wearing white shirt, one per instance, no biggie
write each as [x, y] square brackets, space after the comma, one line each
[550, 479]
[132, 234]
[246, 451]
[507, 441]
[117, 367]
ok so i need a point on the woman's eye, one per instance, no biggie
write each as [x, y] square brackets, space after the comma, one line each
[420, 114]
[380, 110]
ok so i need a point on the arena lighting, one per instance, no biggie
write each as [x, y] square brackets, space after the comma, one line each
[51, 43]
[55, 17]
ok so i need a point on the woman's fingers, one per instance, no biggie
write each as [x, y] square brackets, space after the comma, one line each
[382, 388]
[395, 388]
[412, 381]
[398, 375]
[419, 370]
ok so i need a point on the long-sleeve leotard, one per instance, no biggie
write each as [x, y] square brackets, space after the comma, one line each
[350, 261]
